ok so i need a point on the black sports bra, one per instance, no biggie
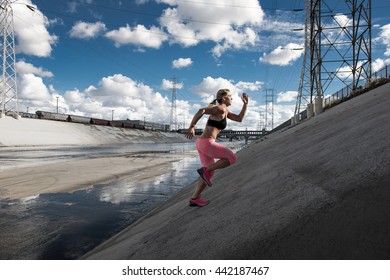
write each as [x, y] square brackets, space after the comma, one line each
[217, 124]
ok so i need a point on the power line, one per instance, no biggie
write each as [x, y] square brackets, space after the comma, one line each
[150, 14]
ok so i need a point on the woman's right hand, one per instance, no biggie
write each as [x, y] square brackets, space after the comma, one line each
[190, 132]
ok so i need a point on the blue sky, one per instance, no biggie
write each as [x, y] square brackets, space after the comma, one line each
[95, 56]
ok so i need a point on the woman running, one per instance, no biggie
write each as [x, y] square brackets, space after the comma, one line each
[207, 148]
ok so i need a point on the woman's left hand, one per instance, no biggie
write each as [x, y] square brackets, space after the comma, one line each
[244, 98]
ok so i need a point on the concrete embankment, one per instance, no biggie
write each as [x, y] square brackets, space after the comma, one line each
[318, 190]
[36, 132]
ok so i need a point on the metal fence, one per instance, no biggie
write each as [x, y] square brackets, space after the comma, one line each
[339, 95]
[346, 91]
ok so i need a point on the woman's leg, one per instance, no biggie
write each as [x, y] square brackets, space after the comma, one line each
[222, 163]
[209, 150]
[200, 186]
[202, 145]
[226, 156]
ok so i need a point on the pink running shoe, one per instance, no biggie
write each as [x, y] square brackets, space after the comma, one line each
[198, 202]
[205, 175]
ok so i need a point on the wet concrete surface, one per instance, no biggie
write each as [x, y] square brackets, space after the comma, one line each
[56, 226]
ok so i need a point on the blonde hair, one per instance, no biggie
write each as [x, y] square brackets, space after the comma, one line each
[221, 93]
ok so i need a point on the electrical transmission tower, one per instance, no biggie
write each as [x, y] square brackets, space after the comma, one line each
[9, 96]
[269, 107]
[173, 106]
[337, 50]
[304, 97]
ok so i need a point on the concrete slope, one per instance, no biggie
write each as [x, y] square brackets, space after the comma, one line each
[319, 190]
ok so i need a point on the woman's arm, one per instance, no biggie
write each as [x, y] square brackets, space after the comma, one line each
[209, 111]
[197, 117]
[191, 130]
[240, 117]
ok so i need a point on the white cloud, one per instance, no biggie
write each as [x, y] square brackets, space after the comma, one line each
[287, 96]
[209, 87]
[79, 103]
[182, 62]
[32, 90]
[118, 85]
[128, 98]
[85, 30]
[230, 26]
[138, 36]
[32, 37]
[282, 113]
[31, 87]
[385, 37]
[342, 20]
[168, 85]
[23, 67]
[75, 97]
[235, 40]
[345, 72]
[379, 64]
[249, 85]
[283, 56]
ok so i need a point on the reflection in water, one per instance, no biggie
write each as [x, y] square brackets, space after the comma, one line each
[126, 191]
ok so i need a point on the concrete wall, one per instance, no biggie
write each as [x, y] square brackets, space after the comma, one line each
[35, 132]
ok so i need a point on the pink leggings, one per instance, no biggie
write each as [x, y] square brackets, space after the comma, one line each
[209, 150]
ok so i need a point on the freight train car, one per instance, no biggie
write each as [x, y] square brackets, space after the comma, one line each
[128, 125]
[88, 120]
[99, 122]
[28, 115]
[51, 116]
[79, 119]
[116, 123]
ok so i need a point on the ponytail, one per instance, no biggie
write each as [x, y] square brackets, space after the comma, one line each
[220, 94]
[214, 102]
